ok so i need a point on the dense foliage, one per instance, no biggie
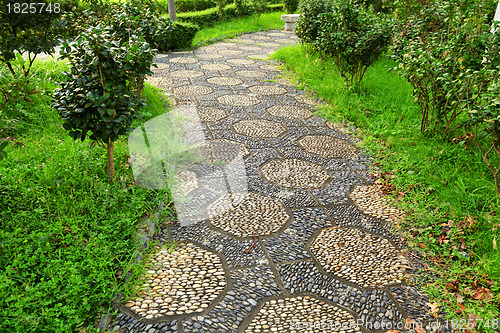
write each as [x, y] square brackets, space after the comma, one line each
[345, 31]
[291, 6]
[66, 233]
[209, 17]
[450, 54]
[142, 17]
[193, 5]
[101, 95]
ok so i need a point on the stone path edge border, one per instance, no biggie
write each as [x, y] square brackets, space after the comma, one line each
[107, 318]
[228, 287]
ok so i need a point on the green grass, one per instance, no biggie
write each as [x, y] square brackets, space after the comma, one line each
[436, 181]
[66, 234]
[267, 21]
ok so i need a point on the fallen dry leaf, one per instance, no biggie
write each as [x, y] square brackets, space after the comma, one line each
[482, 294]
[434, 308]
[460, 309]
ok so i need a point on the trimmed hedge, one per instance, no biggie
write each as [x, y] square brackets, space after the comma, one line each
[177, 35]
[183, 6]
[209, 17]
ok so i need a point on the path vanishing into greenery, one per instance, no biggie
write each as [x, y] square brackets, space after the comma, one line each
[307, 243]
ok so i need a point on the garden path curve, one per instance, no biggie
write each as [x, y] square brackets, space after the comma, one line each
[308, 247]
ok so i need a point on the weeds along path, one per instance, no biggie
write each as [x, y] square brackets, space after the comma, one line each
[304, 243]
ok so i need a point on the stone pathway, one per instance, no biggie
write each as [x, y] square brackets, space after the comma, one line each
[307, 248]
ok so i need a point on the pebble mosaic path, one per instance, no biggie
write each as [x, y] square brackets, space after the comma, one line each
[310, 247]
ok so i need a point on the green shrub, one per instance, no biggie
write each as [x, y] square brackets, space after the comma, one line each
[351, 35]
[175, 35]
[241, 7]
[193, 5]
[308, 26]
[259, 7]
[204, 18]
[100, 99]
[221, 4]
[291, 6]
[443, 59]
[209, 17]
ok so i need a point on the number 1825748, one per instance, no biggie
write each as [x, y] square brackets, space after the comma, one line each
[33, 8]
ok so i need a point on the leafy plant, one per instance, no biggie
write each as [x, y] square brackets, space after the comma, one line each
[27, 33]
[351, 35]
[101, 95]
[221, 4]
[442, 55]
[241, 7]
[485, 125]
[308, 26]
[291, 6]
[259, 7]
[193, 5]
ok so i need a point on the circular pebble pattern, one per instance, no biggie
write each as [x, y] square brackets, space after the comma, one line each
[224, 81]
[359, 257]
[192, 90]
[294, 173]
[247, 214]
[289, 112]
[276, 34]
[230, 52]
[301, 314]
[251, 48]
[210, 56]
[268, 44]
[254, 74]
[185, 280]
[240, 61]
[186, 74]
[211, 114]
[215, 67]
[267, 90]
[259, 128]
[185, 182]
[160, 81]
[222, 150]
[327, 146]
[238, 100]
[372, 201]
[184, 60]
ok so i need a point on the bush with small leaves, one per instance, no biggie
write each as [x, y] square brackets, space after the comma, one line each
[442, 54]
[291, 6]
[100, 99]
[308, 26]
[259, 7]
[353, 37]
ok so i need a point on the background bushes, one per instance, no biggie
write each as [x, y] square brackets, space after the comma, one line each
[351, 35]
[209, 17]
[182, 6]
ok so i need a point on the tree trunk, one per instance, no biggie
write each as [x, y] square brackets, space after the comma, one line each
[171, 10]
[111, 163]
